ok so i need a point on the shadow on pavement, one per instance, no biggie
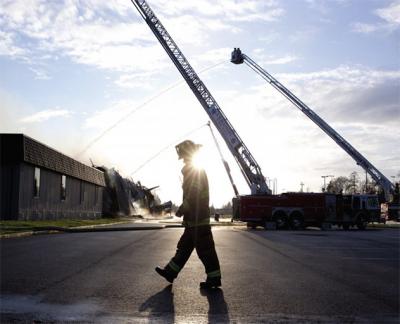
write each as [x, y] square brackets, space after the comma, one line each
[218, 309]
[160, 306]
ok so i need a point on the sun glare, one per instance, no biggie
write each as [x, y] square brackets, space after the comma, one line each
[199, 160]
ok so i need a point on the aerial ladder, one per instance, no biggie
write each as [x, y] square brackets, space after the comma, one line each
[247, 164]
[238, 58]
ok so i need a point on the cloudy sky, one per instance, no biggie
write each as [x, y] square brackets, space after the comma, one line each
[89, 79]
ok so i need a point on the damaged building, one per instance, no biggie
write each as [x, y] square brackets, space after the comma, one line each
[38, 182]
[123, 196]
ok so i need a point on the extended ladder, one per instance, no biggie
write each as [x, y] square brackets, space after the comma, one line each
[248, 165]
[238, 57]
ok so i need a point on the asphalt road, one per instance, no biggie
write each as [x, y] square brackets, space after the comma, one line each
[268, 276]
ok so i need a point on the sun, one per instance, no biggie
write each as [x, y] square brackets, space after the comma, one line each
[199, 160]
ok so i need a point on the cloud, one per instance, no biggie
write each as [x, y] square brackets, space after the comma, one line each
[8, 45]
[391, 13]
[269, 38]
[304, 35]
[365, 28]
[349, 93]
[264, 60]
[45, 115]
[213, 56]
[40, 74]
[390, 16]
[282, 60]
[88, 33]
[245, 10]
[110, 35]
[135, 81]
[320, 6]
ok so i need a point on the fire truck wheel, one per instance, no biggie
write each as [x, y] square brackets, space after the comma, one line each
[281, 220]
[296, 222]
[362, 222]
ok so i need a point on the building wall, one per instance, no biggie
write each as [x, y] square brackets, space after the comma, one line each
[49, 204]
[9, 181]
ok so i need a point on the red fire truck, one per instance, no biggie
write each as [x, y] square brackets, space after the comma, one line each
[297, 210]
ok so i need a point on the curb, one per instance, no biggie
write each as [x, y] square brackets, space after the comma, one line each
[101, 228]
[94, 228]
[395, 226]
[112, 229]
[28, 233]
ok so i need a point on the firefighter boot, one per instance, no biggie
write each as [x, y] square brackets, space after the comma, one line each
[168, 275]
[211, 283]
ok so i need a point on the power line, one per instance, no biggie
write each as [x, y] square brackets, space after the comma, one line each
[125, 117]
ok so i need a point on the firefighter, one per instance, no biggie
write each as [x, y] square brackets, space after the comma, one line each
[196, 220]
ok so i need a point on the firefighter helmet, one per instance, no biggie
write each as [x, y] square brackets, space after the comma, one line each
[186, 149]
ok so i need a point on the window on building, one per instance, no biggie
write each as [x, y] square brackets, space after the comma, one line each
[82, 190]
[36, 183]
[63, 187]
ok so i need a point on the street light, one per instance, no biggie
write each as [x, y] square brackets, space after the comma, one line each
[326, 176]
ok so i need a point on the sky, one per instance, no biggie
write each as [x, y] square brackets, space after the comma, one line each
[88, 78]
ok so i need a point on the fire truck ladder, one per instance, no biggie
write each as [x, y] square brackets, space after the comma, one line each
[247, 164]
[238, 57]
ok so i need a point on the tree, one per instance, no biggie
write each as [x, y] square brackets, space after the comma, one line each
[337, 185]
[228, 205]
[370, 188]
[353, 183]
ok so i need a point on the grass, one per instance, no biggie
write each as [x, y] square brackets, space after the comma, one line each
[387, 225]
[12, 226]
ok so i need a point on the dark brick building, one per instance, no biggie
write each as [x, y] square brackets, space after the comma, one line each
[37, 182]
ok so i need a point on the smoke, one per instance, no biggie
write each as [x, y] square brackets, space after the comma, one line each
[139, 210]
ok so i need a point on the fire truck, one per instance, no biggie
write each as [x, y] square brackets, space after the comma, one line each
[298, 210]
[391, 210]
[261, 207]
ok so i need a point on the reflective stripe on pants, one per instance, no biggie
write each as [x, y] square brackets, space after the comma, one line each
[201, 239]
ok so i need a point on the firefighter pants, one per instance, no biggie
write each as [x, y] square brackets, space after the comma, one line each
[201, 239]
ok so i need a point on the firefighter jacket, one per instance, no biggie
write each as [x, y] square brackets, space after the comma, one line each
[195, 208]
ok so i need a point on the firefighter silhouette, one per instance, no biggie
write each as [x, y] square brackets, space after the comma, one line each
[196, 220]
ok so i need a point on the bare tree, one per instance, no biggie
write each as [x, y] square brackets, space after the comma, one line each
[353, 184]
[337, 185]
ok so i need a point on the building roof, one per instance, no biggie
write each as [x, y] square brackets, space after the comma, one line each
[21, 148]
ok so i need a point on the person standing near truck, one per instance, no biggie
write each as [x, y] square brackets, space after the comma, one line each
[196, 220]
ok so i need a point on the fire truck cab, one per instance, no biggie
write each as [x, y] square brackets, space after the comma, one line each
[357, 210]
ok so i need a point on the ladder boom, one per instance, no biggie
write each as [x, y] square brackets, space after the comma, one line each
[238, 57]
[248, 165]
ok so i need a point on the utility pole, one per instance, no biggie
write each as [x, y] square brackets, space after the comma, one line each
[325, 176]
